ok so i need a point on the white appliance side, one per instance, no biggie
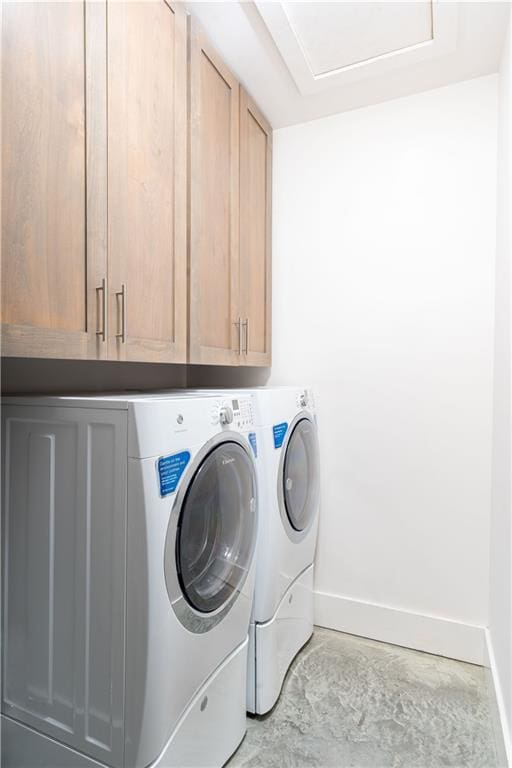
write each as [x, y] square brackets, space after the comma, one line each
[22, 747]
[64, 576]
[167, 664]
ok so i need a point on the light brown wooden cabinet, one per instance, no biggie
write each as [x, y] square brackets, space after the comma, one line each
[94, 232]
[53, 174]
[95, 224]
[147, 181]
[214, 196]
[255, 233]
[230, 210]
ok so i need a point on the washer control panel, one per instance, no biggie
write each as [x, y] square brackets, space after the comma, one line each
[225, 415]
[243, 412]
[234, 412]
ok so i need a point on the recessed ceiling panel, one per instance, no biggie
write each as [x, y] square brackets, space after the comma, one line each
[257, 41]
[334, 35]
[328, 44]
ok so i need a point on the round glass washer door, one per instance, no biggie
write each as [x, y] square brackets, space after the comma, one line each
[300, 475]
[216, 529]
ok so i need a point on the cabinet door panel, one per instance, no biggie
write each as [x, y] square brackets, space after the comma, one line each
[52, 128]
[214, 167]
[255, 232]
[147, 180]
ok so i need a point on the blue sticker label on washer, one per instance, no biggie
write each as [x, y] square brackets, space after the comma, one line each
[170, 470]
[279, 433]
[253, 442]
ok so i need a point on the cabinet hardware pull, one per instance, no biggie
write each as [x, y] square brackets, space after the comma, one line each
[238, 324]
[246, 326]
[122, 294]
[103, 330]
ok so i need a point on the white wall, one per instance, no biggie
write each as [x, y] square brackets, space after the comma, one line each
[500, 625]
[383, 264]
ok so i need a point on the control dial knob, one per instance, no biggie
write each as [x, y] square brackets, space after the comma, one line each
[225, 415]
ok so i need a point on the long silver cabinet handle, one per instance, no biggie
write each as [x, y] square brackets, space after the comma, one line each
[103, 329]
[238, 324]
[122, 294]
[246, 326]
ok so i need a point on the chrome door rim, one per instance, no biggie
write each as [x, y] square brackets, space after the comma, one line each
[191, 618]
[292, 532]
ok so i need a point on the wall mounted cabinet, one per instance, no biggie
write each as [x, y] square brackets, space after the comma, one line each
[147, 181]
[255, 232]
[230, 217]
[95, 224]
[53, 174]
[214, 201]
[94, 178]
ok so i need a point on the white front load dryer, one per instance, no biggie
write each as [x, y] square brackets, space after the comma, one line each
[282, 618]
[129, 534]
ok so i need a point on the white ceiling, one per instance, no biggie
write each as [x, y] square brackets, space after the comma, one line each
[304, 60]
[330, 33]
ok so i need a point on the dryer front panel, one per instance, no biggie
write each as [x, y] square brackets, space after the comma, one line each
[298, 478]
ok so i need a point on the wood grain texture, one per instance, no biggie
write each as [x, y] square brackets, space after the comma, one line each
[96, 158]
[147, 179]
[255, 232]
[214, 207]
[46, 270]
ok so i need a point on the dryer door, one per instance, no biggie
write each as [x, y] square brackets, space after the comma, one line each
[215, 535]
[300, 475]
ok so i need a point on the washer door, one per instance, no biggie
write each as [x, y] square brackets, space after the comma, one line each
[216, 530]
[300, 475]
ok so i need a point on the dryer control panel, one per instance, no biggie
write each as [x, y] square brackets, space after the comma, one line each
[305, 399]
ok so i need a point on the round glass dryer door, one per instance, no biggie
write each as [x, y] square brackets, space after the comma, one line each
[300, 476]
[216, 530]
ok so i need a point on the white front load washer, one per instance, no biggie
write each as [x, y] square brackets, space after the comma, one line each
[130, 525]
[282, 618]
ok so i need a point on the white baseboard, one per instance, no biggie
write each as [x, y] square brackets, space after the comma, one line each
[432, 634]
[499, 719]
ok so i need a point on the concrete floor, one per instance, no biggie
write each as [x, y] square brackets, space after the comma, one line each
[347, 701]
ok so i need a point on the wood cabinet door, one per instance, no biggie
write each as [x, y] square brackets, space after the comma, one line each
[147, 180]
[255, 233]
[53, 179]
[214, 330]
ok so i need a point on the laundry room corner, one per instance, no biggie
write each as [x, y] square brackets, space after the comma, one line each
[385, 306]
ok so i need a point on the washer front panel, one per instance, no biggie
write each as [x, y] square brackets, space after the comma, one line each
[212, 533]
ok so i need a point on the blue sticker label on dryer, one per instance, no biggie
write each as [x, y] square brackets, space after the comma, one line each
[279, 433]
[170, 470]
[253, 442]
